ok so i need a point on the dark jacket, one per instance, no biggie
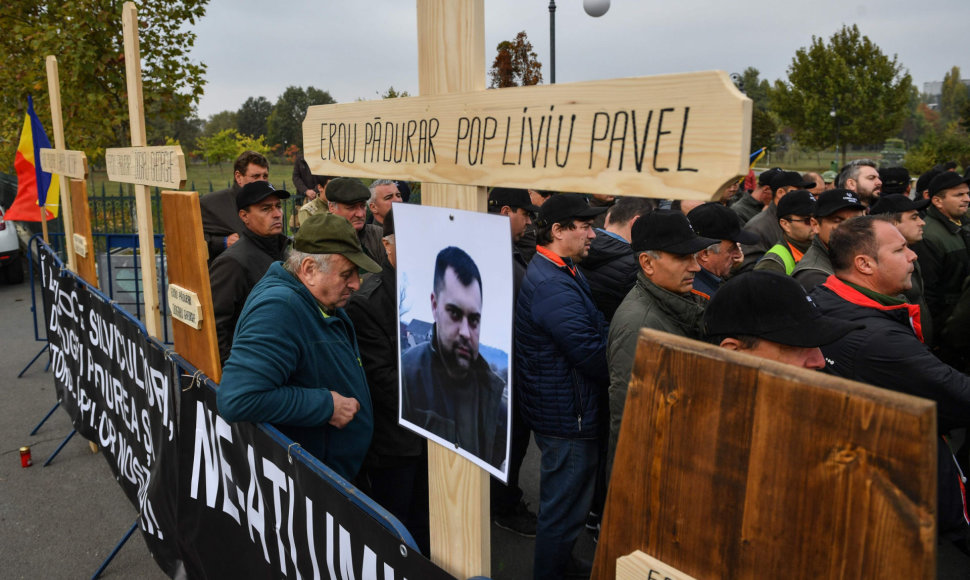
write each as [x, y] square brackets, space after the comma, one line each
[373, 310]
[220, 219]
[945, 263]
[234, 274]
[470, 412]
[302, 178]
[611, 270]
[286, 359]
[814, 267]
[746, 207]
[888, 353]
[765, 225]
[527, 243]
[370, 240]
[917, 295]
[706, 284]
[519, 267]
[560, 351]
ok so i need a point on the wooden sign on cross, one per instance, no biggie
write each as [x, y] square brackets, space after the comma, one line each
[143, 166]
[80, 250]
[677, 136]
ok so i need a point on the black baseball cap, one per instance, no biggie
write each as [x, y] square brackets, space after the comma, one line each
[894, 180]
[347, 190]
[767, 175]
[799, 202]
[774, 307]
[923, 183]
[833, 200]
[565, 206]
[668, 231]
[896, 203]
[257, 191]
[500, 197]
[946, 180]
[326, 233]
[789, 179]
[715, 220]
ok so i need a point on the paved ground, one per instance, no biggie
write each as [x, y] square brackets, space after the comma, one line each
[63, 520]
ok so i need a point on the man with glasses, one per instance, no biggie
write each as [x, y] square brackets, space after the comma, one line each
[765, 224]
[832, 208]
[713, 220]
[795, 219]
[862, 177]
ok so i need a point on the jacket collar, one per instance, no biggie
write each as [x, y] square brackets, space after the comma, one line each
[682, 309]
[853, 296]
[563, 263]
[273, 245]
[934, 213]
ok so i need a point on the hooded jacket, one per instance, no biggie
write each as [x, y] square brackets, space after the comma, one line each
[286, 359]
[611, 270]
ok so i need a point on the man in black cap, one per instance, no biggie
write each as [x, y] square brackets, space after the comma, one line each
[769, 315]
[943, 255]
[347, 197]
[234, 272]
[395, 472]
[832, 208]
[905, 215]
[895, 180]
[221, 226]
[665, 245]
[751, 204]
[561, 376]
[795, 212]
[713, 220]
[517, 205]
[765, 225]
[873, 266]
[611, 268]
[294, 361]
[923, 183]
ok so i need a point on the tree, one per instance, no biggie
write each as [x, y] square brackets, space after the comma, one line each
[219, 122]
[161, 129]
[252, 116]
[516, 64]
[844, 92]
[764, 127]
[86, 36]
[227, 144]
[391, 93]
[953, 96]
[285, 123]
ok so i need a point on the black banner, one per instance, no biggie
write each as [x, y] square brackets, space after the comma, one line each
[118, 388]
[252, 506]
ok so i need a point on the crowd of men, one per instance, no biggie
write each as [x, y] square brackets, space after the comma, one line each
[861, 274]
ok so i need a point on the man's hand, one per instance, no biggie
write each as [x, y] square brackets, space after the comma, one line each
[344, 409]
[230, 240]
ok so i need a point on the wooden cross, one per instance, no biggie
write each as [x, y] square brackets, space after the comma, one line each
[677, 136]
[74, 165]
[66, 162]
[143, 166]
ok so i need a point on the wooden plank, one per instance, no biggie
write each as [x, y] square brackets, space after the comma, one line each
[136, 114]
[730, 466]
[86, 268]
[54, 90]
[187, 257]
[674, 136]
[640, 566]
[162, 166]
[73, 164]
[451, 58]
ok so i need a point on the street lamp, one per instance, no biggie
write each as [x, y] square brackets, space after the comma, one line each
[594, 8]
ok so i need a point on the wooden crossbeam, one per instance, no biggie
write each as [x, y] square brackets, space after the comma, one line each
[162, 166]
[57, 124]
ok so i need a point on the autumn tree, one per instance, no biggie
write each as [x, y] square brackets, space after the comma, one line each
[285, 123]
[86, 36]
[843, 92]
[953, 96]
[252, 116]
[516, 64]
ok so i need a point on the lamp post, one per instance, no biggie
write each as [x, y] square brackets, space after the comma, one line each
[594, 8]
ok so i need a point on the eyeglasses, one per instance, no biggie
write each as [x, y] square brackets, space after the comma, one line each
[805, 221]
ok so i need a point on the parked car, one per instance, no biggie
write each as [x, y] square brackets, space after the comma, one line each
[11, 262]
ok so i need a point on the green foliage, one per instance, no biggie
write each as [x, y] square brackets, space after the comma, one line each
[227, 144]
[954, 96]
[850, 75]
[219, 122]
[516, 64]
[252, 115]
[249, 143]
[86, 37]
[285, 123]
[952, 143]
[764, 126]
[391, 93]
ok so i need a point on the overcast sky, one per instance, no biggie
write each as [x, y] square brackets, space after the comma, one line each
[358, 48]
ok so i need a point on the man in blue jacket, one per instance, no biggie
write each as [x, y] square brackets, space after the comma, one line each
[294, 361]
[562, 376]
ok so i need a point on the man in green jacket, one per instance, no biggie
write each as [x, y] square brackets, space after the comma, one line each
[665, 244]
[943, 255]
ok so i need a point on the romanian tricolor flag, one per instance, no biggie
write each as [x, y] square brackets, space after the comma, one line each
[34, 186]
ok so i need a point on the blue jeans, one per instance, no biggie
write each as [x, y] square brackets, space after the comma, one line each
[566, 484]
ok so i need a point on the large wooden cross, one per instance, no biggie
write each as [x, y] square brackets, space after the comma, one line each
[681, 136]
[143, 166]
